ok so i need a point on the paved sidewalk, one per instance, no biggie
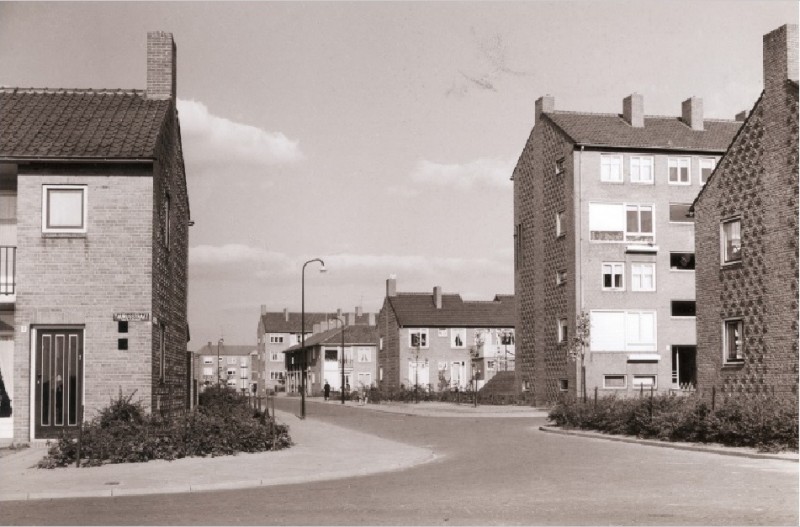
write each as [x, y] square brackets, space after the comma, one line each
[697, 447]
[322, 451]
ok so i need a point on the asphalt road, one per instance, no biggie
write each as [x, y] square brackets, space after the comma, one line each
[491, 471]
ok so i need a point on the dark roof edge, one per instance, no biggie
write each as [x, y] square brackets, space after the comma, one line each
[725, 155]
[654, 149]
[76, 159]
[467, 326]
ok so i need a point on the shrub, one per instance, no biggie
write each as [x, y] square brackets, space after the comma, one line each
[124, 433]
[765, 423]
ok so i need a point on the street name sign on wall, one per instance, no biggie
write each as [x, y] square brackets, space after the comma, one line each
[131, 317]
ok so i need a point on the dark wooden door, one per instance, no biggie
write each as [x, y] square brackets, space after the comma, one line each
[59, 381]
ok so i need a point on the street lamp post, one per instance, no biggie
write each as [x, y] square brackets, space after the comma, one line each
[341, 321]
[303, 333]
[220, 341]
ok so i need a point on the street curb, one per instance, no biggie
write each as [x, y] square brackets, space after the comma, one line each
[725, 451]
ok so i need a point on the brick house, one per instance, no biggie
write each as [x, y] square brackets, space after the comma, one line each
[601, 227]
[441, 341]
[95, 245]
[747, 234]
[280, 330]
[324, 353]
[228, 365]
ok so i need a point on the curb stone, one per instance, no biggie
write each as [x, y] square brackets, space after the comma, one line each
[722, 450]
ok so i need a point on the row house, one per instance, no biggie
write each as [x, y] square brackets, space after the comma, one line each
[746, 223]
[226, 365]
[440, 341]
[94, 229]
[347, 352]
[601, 230]
[278, 331]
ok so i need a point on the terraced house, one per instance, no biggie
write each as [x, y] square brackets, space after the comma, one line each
[747, 236]
[94, 249]
[439, 341]
[601, 228]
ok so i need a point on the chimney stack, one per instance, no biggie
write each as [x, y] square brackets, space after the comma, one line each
[286, 314]
[692, 113]
[351, 319]
[780, 56]
[437, 297]
[741, 116]
[544, 105]
[359, 312]
[391, 286]
[339, 312]
[371, 320]
[633, 110]
[161, 65]
[263, 309]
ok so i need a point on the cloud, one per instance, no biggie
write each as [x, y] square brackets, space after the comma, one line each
[236, 253]
[483, 172]
[209, 138]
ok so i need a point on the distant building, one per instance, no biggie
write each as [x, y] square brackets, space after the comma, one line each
[439, 341]
[225, 365]
[94, 228]
[278, 331]
[747, 235]
[324, 354]
[601, 227]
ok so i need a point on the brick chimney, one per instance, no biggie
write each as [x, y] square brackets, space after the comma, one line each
[633, 110]
[692, 113]
[371, 319]
[437, 297]
[351, 319]
[263, 309]
[359, 312]
[741, 116]
[339, 312]
[391, 286]
[286, 314]
[544, 104]
[780, 56]
[161, 64]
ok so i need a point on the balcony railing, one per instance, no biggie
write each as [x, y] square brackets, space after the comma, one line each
[8, 270]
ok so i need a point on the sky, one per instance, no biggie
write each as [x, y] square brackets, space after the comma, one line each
[378, 136]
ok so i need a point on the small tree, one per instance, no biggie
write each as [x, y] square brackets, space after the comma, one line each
[576, 349]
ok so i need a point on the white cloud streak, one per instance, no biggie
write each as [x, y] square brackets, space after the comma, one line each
[210, 138]
[483, 172]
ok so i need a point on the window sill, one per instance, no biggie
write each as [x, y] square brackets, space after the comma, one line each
[63, 235]
[674, 270]
[731, 265]
[731, 365]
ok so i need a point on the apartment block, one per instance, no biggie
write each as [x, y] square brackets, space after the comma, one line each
[438, 341]
[226, 365]
[747, 236]
[601, 228]
[94, 235]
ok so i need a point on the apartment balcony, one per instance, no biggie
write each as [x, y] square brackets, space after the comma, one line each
[8, 273]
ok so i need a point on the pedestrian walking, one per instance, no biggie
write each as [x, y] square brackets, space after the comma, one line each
[327, 390]
[364, 395]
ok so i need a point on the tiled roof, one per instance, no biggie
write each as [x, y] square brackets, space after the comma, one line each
[670, 133]
[226, 350]
[419, 310]
[352, 335]
[79, 123]
[277, 323]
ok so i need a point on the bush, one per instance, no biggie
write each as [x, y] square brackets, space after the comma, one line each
[765, 423]
[124, 433]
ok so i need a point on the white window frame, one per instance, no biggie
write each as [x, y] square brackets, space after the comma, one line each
[276, 339]
[605, 168]
[639, 208]
[678, 270]
[687, 221]
[723, 239]
[208, 360]
[725, 356]
[634, 285]
[421, 332]
[704, 163]
[614, 266]
[616, 375]
[458, 332]
[364, 354]
[641, 377]
[623, 342]
[442, 332]
[638, 180]
[273, 356]
[561, 276]
[560, 230]
[45, 209]
[563, 330]
[677, 163]
[208, 371]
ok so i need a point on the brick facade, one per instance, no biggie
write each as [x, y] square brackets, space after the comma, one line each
[757, 182]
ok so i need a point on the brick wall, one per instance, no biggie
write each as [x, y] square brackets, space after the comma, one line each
[757, 180]
[82, 281]
[389, 356]
[170, 269]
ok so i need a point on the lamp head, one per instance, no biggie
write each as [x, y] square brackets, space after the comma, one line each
[323, 269]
